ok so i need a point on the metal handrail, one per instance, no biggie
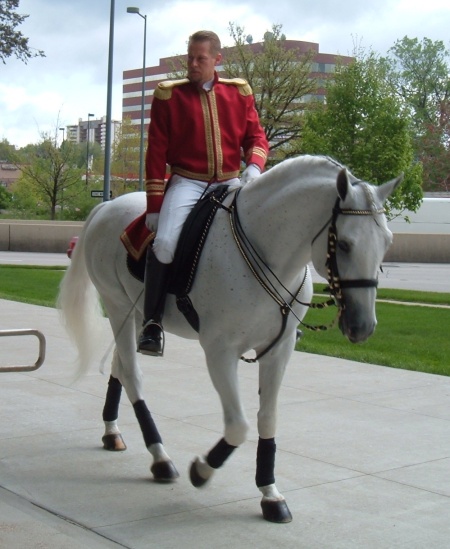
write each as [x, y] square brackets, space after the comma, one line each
[41, 356]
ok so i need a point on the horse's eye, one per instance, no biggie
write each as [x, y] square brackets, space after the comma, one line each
[344, 246]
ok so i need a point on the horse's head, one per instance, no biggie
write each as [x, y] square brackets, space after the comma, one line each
[358, 238]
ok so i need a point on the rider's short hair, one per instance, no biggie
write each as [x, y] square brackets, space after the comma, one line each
[207, 36]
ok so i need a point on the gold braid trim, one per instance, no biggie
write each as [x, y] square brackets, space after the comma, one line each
[243, 85]
[260, 152]
[164, 89]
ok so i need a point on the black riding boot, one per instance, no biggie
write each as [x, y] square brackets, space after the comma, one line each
[151, 339]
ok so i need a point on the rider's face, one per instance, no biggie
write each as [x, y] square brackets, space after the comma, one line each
[201, 62]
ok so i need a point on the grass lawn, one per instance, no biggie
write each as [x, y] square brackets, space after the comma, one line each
[409, 336]
[35, 285]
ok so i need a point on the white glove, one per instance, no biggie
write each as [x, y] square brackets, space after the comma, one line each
[251, 172]
[151, 222]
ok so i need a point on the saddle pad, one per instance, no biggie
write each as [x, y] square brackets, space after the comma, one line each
[192, 239]
[136, 238]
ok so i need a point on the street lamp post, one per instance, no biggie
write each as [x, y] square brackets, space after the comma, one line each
[141, 148]
[62, 188]
[107, 169]
[87, 145]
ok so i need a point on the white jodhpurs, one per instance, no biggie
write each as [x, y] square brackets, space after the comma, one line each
[179, 199]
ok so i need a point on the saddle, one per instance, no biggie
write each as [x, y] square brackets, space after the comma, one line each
[136, 238]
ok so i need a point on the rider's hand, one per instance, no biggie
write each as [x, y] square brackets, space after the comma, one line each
[151, 222]
[251, 172]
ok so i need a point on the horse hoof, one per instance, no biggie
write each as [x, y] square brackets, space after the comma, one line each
[114, 443]
[276, 511]
[196, 480]
[164, 471]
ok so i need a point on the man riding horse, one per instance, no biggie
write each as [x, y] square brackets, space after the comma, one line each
[199, 126]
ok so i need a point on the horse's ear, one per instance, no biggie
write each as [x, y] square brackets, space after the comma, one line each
[342, 184]
[388, 188]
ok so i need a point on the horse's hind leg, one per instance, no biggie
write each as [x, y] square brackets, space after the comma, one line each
[126, 371]
[163, 469]
[112, 439]
[271, 371]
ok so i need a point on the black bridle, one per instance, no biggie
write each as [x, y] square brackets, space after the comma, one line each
[335, 284]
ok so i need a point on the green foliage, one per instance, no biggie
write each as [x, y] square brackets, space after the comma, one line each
[364, 125]
[7, 151]
[49, 176]
[420, 72]
[26, 203]
[126, 151]
[12, 41]
[80, 152]
[5, 198]
[279, 77]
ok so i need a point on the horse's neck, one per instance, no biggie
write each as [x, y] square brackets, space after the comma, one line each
[282, 218]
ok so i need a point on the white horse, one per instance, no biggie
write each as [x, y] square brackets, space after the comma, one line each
[250, 292]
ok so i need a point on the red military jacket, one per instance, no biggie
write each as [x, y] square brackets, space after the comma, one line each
[200, 134]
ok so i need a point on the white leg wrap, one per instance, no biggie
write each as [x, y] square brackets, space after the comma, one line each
[158, 452]
[271, 493]
[111, 428]
[203, 469]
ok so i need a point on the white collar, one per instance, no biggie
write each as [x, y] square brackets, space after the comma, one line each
[207, 86]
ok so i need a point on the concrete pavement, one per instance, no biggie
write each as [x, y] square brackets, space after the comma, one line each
[363, 454]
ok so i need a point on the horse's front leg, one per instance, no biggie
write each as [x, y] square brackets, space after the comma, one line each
[271, 372]
[222, 368]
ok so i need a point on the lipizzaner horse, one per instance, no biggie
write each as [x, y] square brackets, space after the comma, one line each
[251, 289]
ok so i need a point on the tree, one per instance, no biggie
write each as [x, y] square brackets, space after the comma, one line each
[50, 174]
[5, 198]
[280, 79]
[364, 125]
[125, 157]
[420, 72]
[434, 154]
[7, 151]
[12, 41]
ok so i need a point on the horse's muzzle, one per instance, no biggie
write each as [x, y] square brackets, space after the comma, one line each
[356, 327]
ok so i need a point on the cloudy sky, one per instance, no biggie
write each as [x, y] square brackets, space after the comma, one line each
[70, 81]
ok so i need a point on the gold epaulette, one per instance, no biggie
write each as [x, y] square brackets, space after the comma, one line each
[243, 85]
[164, 89]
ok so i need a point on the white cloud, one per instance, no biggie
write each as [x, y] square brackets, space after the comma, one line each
[71, 80]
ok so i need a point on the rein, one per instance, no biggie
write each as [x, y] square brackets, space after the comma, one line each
[259, 269]
[255, 264]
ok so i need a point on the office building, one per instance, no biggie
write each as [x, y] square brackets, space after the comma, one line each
[322, 66]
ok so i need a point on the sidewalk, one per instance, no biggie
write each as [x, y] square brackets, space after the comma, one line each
[363, 454]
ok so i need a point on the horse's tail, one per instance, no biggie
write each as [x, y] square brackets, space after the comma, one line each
[79, 304]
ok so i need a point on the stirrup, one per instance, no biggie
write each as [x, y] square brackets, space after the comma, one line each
[155, 345]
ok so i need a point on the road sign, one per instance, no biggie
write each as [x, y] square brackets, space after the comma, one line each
[99, 194]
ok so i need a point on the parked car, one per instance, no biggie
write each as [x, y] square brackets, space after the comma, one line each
[72, 244]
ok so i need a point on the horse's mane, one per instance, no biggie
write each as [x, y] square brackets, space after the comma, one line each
[312, 170]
